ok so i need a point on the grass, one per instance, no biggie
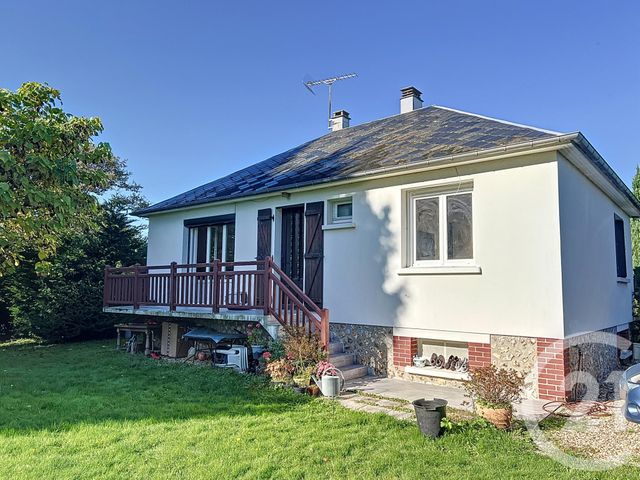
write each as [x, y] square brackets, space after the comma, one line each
[85, 411]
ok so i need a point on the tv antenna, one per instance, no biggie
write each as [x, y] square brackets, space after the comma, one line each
[328, 82]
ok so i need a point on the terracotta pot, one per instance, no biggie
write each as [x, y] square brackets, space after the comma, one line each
[313, 390]
[500, 417]
[202, 356]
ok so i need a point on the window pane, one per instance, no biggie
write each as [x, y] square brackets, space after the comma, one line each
[231, 242]
[215, 252]
[621, 255]
[344, 210]
[459, 227]
[427, 226]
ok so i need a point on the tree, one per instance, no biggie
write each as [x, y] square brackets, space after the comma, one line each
[635, 223]
[65, 303]
[51, 174]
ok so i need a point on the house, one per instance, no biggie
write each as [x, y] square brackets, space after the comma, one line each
[432, 231]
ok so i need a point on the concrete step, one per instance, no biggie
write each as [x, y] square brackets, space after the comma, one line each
[353, 371]
[335, 347]
[341, 359]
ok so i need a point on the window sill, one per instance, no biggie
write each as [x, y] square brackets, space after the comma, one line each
[338, 226]
[437, 372]
[442, 270]
[623, 280]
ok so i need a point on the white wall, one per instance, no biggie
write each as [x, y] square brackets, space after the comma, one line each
[516, 244]
[593, 297]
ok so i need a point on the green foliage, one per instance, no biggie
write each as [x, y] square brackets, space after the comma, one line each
[84, 411]
[463, 426]
[635, 223]
[51, 171]
[66, 302]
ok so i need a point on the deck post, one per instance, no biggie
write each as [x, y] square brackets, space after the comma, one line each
[216, 303]
[136, 286]
[172, 287]
[325, 335]
[267, 284]
[106, 290]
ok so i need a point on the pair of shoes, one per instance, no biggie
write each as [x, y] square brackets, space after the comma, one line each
[464, 365]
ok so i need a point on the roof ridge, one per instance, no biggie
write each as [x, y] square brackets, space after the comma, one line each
[507, 122]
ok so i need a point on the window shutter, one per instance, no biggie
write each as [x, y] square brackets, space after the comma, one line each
[264, 233]
[314, 251]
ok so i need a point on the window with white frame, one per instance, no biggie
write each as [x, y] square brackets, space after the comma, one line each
[341, 210]
[211, 242]
[441, 226]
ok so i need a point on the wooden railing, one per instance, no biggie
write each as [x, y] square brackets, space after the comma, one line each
[253, 285]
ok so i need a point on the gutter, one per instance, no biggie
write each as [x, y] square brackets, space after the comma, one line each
[585, 147]
[468, 157]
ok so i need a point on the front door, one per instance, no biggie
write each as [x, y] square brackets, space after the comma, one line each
[292, 250]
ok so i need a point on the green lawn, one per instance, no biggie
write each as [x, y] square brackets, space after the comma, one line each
[86, 411]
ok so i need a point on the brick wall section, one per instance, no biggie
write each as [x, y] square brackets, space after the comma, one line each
[553, 365]
[479, 355]
[404, 349]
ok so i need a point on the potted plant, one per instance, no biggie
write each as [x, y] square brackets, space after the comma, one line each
[257, 337]
[302, 375]
[493, 391]
[280, 371]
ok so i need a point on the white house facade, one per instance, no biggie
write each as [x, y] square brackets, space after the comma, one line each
[498, 253]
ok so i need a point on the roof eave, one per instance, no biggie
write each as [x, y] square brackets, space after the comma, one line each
[613, 186]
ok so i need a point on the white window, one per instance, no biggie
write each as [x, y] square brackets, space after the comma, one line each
[341, 210]
[441, 229]
[211, 242]
[426, 348]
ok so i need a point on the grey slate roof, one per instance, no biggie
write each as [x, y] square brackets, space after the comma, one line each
[424, 134]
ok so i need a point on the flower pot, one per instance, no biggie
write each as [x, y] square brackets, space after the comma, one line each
[313, 390]
[257, 350]
[429, 414]
[500, 417]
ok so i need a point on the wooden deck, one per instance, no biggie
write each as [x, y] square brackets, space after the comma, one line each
[216, 290]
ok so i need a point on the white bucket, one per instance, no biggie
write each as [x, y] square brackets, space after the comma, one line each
[636, 351]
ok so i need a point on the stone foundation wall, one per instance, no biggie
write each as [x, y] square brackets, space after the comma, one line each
[519, 354]
[596, 354]
[371, 345]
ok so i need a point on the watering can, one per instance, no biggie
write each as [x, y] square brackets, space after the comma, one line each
[331, 383]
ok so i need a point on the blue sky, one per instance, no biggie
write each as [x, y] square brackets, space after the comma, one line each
[191, 91]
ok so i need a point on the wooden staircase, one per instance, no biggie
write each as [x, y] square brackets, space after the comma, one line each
[345, 362]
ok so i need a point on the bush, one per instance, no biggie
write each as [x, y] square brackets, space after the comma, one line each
[495, 388]
[66, 302]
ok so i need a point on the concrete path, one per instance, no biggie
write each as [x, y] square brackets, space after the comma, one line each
[394, 396]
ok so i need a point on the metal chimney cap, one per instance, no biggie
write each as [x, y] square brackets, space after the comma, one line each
[410, 92]
[341, 113]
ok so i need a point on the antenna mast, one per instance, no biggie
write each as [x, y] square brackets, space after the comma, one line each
[329, 82]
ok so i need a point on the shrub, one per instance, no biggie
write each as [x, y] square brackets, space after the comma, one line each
[280, 370]
[303, 348]
[495, 388]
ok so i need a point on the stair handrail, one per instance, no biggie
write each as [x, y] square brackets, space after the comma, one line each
[296, 294]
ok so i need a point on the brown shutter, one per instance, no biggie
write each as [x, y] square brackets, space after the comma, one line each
[264, 233]
[264, 246]
[314, 251]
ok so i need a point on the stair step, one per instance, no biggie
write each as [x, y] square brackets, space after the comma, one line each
[341, 359]
[354, 371]
[335, 347]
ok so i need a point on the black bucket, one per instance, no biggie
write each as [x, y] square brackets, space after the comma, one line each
[429, 414]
